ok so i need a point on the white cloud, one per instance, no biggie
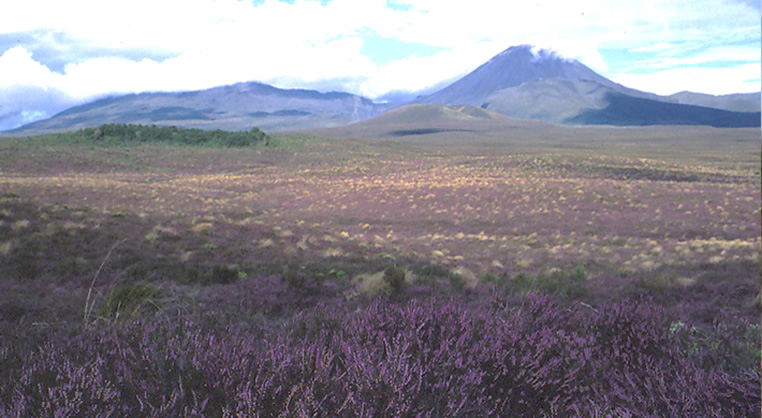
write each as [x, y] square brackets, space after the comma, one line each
[743, 78]
[657, 47]
[17, 67]
[419, 73]
[675, 56]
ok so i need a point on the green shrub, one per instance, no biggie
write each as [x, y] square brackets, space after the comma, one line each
[127, 133]
[488, 277]
[519, 283]
[655, 283]
[395, 277]
[429, 274]
[293, 278]
[565, 284]
[579, 274]
[218, 274]
[569, 285]
[457, 282]
[192, 275]
[223, 275]
[338, 274]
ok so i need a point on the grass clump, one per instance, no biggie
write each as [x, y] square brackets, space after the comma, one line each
[129, 300]
[569, 284]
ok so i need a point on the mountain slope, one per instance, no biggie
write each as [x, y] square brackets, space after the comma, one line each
[523, 83]
[553, 100]
[627, 111]
[511, 68]
[741, 102]
[235, 107]
[590, 103]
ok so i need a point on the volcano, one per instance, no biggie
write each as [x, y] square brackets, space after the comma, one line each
[528, 83]
[511, 68]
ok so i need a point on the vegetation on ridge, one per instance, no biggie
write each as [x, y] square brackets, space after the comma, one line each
[127, 133]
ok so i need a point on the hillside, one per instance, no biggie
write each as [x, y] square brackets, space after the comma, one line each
[626, 110]
[422, 113]
[426, 120]
[236, 107]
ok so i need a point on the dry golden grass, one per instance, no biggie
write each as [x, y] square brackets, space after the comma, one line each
[522, 199]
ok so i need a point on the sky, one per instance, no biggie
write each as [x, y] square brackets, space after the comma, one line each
[55, 54]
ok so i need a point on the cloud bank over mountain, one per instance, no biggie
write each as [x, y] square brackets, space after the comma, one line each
[79, 50]
[522, 82]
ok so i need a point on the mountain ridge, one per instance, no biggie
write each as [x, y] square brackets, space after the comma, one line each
[737, 102]
[237, 106]
[521, 82]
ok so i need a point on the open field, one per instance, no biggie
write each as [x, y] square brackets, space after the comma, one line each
[489, 208]
[257, 236]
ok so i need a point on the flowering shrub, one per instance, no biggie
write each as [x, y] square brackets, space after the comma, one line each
[243, 280]
[433, 358]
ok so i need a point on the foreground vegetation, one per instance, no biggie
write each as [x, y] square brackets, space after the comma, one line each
[318, 277]
[527, 356]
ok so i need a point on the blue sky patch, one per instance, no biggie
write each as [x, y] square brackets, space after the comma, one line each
[384, 50]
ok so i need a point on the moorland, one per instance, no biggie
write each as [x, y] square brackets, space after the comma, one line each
[466, 265]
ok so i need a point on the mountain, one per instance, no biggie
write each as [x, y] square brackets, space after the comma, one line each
[521, 82]
[525, 83]
[235, 107]
[742, 102]
[511, 68]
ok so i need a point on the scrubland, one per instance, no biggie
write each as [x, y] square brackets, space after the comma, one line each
[357, 277]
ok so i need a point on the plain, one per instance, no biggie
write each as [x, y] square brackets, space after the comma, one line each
[467, 215]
